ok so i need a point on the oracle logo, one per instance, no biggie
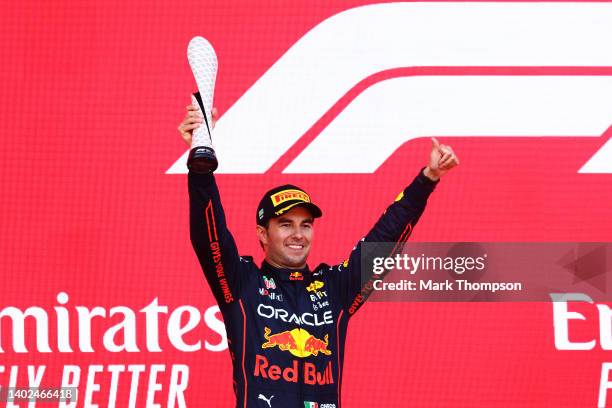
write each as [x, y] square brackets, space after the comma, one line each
[484, 70]
[309, 319]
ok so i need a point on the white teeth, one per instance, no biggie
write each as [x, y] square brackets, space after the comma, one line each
[296, 246]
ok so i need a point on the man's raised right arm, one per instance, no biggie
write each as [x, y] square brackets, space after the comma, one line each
[212, 241]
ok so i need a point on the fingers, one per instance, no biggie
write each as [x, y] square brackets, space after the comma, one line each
[450, 163]
[449, 158]
[194, 111]
[435, 143]
[444, 159]
[193, 114]
[185, 131]
[441, 159]
[188, 127]
[193, 119]
[186, 134]
[196, 118]
[189, 123]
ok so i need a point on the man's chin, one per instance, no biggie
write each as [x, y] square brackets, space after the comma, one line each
[296, 262]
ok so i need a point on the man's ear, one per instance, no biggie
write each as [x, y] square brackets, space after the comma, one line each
[262, 234]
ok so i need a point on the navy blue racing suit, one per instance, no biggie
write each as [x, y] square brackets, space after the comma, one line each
[286, 328]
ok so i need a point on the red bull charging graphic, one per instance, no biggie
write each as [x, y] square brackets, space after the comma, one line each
[298, 342]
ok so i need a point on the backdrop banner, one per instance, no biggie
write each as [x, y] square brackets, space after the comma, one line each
[101, 290]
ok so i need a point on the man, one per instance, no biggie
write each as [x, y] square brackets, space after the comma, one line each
[286, 325]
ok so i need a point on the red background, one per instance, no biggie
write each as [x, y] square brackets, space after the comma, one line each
[92, 94]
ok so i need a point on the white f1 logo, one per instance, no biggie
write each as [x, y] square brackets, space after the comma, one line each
[349, 47]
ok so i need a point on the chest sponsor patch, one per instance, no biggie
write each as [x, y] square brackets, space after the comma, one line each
[303, 319]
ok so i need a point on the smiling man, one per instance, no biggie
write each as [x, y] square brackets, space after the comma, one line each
[286, 324]
[285, 218]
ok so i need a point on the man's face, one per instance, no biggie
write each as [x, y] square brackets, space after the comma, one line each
[287, 239]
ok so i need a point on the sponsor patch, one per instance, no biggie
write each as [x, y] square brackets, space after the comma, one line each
[271, 295]
[314, 286]
[269, 282]
[311, 404]
[298, 342]
[303, 319]
[286, 195]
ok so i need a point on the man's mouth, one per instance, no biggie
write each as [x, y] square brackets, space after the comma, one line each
[295, 246]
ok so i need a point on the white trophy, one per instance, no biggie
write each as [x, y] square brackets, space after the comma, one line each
[203, 62]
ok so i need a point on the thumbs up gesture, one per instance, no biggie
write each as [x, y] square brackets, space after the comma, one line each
[441, 160]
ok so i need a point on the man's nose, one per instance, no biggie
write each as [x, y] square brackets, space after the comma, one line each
[298, 233]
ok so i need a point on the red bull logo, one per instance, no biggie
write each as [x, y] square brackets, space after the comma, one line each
[284, 340]
[296, 276]
[312, 375]
[315, 346]
[298, 342]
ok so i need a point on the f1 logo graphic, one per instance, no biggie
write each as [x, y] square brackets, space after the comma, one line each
[408, 70]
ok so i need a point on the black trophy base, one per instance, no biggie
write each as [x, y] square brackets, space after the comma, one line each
[202, 160]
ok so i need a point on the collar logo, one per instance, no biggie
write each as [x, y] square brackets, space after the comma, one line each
[269, 283]
[296, 276]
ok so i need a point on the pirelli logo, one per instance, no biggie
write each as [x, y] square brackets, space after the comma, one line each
[286, 195]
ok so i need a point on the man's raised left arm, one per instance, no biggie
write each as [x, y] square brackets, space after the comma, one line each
[394, 226]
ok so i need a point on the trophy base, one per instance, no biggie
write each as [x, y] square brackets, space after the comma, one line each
[202, 160]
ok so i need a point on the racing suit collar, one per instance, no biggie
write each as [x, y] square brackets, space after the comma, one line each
[285, 274]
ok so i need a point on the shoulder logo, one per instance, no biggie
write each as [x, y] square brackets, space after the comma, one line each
[314, 286]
